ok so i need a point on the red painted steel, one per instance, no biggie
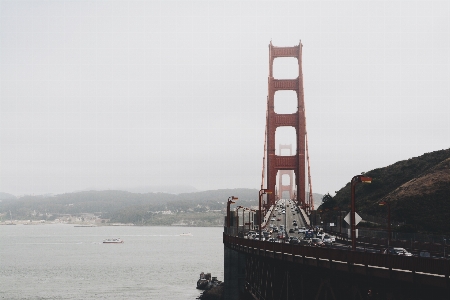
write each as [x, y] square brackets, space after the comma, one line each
[297, 120]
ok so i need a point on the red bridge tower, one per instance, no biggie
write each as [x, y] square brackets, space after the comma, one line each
[297, 120]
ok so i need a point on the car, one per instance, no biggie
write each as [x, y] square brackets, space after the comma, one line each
[309, 234]
[281, 235]
[302, 230]
[273, 219]
[272, 240]
[317, 242]
[278, 219]
[294, 241]
[305, 242]
[397, 251]
[275, 229]
[320, 235]
[257, 237]
[327, 240]
[291, 230]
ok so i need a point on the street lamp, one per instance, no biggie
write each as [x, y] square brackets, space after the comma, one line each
[249, 222]
[355, 180]
[237, 217]
[229, 202]
[261, 192]
[382, 203]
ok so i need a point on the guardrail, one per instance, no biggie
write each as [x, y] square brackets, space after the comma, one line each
[415, 247]
[432, 266]
[305, 217]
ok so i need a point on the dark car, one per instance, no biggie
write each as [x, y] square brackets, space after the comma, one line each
[309, 234]
[291, 230]
[305, 242]
[317, 242]
[294, 241]
[397, 251]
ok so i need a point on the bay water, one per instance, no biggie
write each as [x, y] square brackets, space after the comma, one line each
[61, 261]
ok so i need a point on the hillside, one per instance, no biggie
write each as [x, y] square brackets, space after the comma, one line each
[418, 190]
[126, 207]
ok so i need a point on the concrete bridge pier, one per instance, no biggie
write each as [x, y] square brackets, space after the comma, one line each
[234, 277]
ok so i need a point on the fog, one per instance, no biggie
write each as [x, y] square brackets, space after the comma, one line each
[126, 94]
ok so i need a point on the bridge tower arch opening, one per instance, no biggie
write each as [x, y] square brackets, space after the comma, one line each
[294, 163]
[285, 177]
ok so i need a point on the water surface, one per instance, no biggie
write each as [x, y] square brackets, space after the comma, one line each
[60, 261]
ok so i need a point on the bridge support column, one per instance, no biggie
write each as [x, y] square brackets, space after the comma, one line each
[234, 277]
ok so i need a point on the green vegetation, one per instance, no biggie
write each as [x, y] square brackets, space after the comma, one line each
[206, 208]
[418, 190]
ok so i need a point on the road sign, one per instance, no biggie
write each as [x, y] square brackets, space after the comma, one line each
[357, 218]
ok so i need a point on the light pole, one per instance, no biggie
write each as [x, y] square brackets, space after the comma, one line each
[249, 221]
[355, 180]
[237, 218]
[445, 245]
[229, 202]
[382, 203]
[340, 219]
[261, 193]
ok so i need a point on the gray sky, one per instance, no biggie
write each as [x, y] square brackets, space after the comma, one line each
[116, 94]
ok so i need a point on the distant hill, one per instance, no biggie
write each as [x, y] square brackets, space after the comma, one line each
[169, 189]
[418, 190]
[6, 196]
[122, 206]
[317, 198]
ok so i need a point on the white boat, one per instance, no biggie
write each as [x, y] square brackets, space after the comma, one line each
[113, 241]
[186, 234]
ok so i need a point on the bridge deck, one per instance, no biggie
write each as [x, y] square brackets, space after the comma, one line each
[434, 272]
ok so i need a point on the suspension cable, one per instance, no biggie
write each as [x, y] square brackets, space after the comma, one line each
[265, 147]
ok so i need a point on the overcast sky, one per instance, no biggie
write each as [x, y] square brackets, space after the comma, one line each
[121, 94]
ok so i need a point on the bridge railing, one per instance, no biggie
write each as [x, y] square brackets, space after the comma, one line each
[434, 266]
[415, 247]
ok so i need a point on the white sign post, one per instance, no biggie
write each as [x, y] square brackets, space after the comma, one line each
[349, 232]
[357, 220]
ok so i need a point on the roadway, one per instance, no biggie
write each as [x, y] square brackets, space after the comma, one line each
[284, 213]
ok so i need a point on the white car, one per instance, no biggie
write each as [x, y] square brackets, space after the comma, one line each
[327, 239]
[273, 219]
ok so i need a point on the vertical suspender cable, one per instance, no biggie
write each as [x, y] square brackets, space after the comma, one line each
[265, 148]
